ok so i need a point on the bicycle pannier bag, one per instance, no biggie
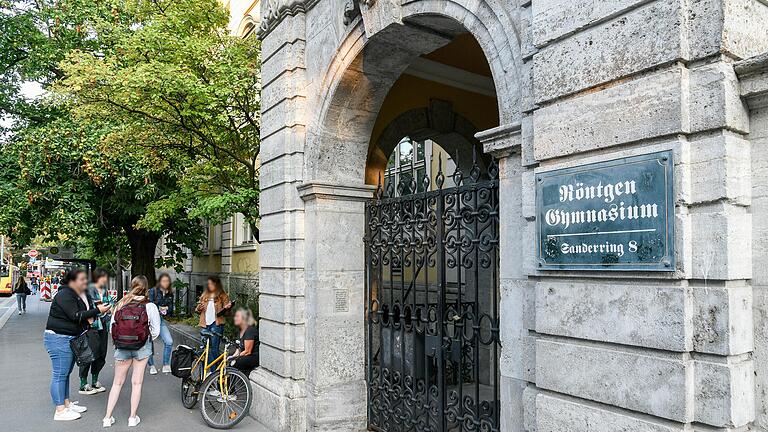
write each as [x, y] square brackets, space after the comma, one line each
[181, 361]
[130, 330]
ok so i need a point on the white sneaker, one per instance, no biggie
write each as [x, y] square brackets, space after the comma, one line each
[166, 369]
[98, 387]
[20, 312]
[152, 370]
[133, 421]
[108, 422]
[66, 415]
[87, 390]
[74, 406]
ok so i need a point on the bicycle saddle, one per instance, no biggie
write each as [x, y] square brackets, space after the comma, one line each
[210, 333]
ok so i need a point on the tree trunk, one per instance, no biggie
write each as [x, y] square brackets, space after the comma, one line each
[143, 246]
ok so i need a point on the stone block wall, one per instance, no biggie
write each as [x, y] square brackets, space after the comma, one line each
[578, 81]
[279, 384]
[753, 74]
[633, 351]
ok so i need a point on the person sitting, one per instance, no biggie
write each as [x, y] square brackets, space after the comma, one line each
[246, 358]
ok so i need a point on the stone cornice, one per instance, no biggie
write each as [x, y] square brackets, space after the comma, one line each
[314, 189]
[501, 141]
[751, 65]
[278, 10]
[753, 80]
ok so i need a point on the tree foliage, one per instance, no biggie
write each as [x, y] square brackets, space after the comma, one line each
[175, 73]
[150, 123]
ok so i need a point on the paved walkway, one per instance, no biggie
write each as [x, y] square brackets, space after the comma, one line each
[25, 370]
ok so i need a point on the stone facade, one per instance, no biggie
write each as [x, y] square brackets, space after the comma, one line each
[577, 81]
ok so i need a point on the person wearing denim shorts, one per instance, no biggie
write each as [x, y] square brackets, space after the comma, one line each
[142, 353]
[126, 359]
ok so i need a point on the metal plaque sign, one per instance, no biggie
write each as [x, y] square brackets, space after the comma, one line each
[613, 215]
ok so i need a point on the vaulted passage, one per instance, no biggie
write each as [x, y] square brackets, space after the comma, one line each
[432, 248]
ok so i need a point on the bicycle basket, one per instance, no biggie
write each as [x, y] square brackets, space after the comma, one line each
[181, 361]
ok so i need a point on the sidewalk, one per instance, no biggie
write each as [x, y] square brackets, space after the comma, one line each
[25, 404]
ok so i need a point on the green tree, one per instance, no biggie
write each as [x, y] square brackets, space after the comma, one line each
[60, 178]
[172, 71]
[77, 192]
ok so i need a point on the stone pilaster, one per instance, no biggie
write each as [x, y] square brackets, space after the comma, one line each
[335, 305]
[226, 246]
[753, 80]
[279, 384]
[505, 143]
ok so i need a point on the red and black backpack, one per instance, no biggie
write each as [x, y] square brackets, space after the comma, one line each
[130, 330]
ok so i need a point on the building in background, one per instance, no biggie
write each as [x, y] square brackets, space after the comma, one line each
[230, 250]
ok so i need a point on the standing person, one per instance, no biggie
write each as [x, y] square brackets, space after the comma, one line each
[68, 317]
[246, 358]
[162, 296]
[212, 306]
[98, 335]
[129, 313]
[22, 291]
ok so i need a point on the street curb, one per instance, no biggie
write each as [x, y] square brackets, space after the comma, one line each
[185, 335]
[11, 305]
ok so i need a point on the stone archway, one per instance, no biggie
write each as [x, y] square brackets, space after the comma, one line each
[325, 83]
[337, 156]
[378, 47]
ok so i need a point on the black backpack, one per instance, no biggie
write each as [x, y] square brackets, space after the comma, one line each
[181, 361]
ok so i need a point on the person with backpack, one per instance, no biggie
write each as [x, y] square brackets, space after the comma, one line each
[214, 303]
[22, 291]
[68, 318]
[135, 323]
[162, 296]
[98, 334]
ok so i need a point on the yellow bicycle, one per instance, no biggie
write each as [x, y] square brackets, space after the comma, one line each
[225, 392]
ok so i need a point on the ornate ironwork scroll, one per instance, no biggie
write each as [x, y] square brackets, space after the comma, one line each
[432, 303]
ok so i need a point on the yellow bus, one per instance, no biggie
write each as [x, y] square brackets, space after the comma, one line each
[9, 274]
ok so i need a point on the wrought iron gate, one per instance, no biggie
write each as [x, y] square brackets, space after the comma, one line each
[432, 304]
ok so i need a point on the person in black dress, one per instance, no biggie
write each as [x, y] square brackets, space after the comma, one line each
[246, 358]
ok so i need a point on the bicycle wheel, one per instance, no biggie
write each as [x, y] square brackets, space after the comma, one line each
[188, 393]
[220, 411]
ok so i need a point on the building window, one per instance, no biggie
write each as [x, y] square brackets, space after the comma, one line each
[407, 167]
[416, 160]
[242, 231]
[216, 238]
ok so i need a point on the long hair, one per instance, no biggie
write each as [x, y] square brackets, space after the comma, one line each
[217, 283]
[160, 279]
[139, 287]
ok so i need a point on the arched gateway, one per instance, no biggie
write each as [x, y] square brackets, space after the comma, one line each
[402, 329]
[396, 296]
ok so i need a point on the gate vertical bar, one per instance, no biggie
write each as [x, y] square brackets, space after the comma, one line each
[440, 355]
[496, 339]
[369, 302]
